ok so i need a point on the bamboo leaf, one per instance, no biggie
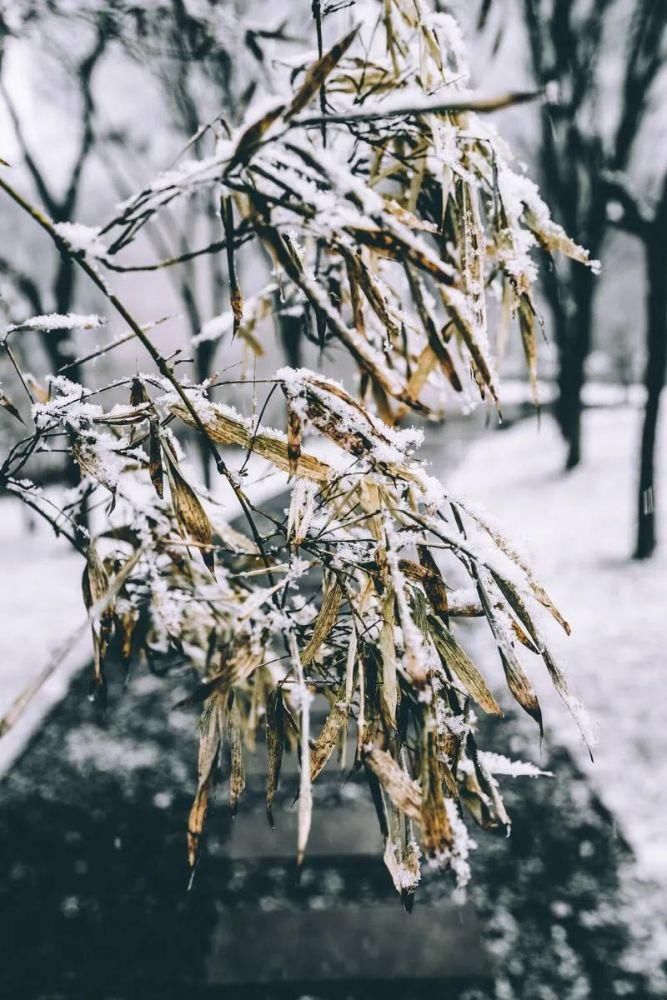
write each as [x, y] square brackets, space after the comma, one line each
[294, 432]
[403, 790]
[436, 828]
[237, 771]
[389, 692]
[6, 404]
[210, 739]
[325, 621]
[224, 427]
[329, 734]
[155, 467]
[460, 663]
[529, 341]
[192, 519]
[433, 583]
[275, 744]
[318, 73]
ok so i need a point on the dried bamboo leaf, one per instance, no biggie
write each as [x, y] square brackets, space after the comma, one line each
[126, 625]
[446, 773]
[476, 802]
[138, 394]
[210, 739]
[402, 863]
[325, 621]
[95, 580]
[155, 468]
[95, 586]
[225, 428]
[436, 829]
[403, 790]
[237, 772]
[40, 393]
[460, 663]
[529, 341]
[329, 735]
[554, 239]
[192, 519]
[250, 139]
[379, 303]
[235, 294]
[517, 681]
[6, 404]
[426, 363]
[521, 688]
[275, 745]
[235, 540]
[434, 585]
[294, 432]
[389, 690]
[435, 339]
[318, 72]
[577, 710]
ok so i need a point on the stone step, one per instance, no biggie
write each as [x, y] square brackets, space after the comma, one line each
[367, 943]
[349, 830]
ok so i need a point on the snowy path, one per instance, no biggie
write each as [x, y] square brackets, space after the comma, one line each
[578, 530]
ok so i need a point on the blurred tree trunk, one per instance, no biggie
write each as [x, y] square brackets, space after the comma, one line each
[57, 343]
[574, 347]
[654, 378]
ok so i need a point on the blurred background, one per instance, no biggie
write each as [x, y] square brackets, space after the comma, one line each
[97, 97]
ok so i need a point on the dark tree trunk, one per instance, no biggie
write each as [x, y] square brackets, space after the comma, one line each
[61, 352]
[573, 353]
[58, 343]
[203, 358]
[654, 380]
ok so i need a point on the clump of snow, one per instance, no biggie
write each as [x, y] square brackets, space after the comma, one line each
[81, 239]
[497, 763]
[58, 321]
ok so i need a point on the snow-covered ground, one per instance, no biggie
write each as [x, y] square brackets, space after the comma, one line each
[42, 606]
[578, 530]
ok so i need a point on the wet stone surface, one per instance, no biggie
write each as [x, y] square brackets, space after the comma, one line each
[95, 903]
